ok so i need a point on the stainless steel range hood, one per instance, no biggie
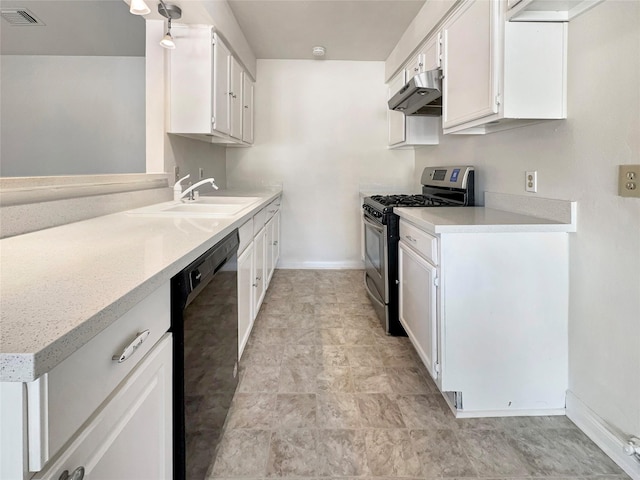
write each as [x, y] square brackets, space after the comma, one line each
[422, 95]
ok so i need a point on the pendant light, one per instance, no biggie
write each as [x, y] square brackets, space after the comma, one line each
[139, 7]
[170, 12]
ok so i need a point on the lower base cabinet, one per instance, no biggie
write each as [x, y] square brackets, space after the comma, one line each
[131, 437]
[246, 270]
[487, 314]
[418, 308]
[256, 264]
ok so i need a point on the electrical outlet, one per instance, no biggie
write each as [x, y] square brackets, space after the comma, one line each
[201, 173]
[531, 181]
[176, 173]
[629, 181]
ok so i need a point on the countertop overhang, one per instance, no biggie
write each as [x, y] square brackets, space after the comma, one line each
[444, 220]
[61, 286]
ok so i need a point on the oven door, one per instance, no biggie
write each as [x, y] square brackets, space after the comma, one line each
[375, 257]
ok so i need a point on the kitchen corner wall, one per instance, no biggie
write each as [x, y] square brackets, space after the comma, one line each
[577, 159]
[321, 129]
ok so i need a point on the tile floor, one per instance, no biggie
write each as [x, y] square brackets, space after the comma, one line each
[324, 393]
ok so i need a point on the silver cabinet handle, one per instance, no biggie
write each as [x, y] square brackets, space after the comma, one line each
[257, 279]
[254, 285]
[78, 474]
[275, 242]
[410, 238]
[130, 349]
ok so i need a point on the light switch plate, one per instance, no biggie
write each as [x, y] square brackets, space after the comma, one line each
[629, 181]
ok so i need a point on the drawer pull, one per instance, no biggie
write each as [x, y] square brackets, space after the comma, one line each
[78, 474]
[131, 348]
[275, 242]
[410, 238]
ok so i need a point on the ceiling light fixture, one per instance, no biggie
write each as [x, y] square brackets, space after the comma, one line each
[171, 12]
[319, 51]
[138, 7]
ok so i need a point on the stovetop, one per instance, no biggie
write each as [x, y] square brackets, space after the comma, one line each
[406, 200]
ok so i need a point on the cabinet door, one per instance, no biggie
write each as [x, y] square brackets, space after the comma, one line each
[431, 54]
[418, 309]
[470, 84]
[396, 120]
[260, 270]
[269, 257]
[221, 87]
[235, 96]
[130, 438]
[245, 296]
[247, 108]
[414, 67]
[276, 238]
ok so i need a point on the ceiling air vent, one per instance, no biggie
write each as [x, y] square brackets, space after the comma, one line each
[20, 17]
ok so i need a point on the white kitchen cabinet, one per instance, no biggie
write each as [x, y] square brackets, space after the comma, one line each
[499, 74]
[247, 108]
[260, 277]
[235, 98]
[487, 314]
[418, 309]
[258, 255]
[413, 130]
[246, 269]
[276, 238]
[131, 437]
[206, 87]
[546, 10]
[427, 58]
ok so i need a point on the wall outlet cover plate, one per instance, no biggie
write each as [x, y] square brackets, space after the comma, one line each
[629, 181]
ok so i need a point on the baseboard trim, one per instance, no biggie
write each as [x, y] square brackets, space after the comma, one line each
[347, 265]
[602, 435]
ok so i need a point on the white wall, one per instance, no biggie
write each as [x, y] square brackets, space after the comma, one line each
[54, 123]
[321, 129]
[577, 159]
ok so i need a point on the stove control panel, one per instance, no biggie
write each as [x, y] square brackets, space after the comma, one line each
[372, 211]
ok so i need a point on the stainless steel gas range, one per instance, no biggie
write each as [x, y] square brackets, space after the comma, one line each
[441, 187]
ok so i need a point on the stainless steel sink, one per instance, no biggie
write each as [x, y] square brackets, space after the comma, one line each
[210, 206]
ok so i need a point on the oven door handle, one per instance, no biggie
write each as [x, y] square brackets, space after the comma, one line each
[380, 228]
[371, 294]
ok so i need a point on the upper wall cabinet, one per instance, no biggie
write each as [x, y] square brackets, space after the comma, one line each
[206, 88]
[247, 108]
[546, 10]
[499, 74]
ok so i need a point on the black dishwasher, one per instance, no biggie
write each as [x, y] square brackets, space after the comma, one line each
[204, 322]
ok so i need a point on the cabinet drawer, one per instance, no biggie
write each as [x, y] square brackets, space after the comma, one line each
[246, 235]
[259, 219]
[60, 401]
[272, 208]
[422, 242]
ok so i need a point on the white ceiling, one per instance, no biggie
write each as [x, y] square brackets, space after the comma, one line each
[349, 29]
[280, 29]
[75, 27]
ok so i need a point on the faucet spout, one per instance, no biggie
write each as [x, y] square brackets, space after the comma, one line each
[190, 191]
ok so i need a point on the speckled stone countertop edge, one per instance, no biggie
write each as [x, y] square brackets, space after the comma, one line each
[28, 366]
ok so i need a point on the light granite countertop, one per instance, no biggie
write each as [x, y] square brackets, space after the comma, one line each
[61, 286]
[478, 220]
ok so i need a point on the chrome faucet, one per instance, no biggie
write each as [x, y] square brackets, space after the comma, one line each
[191, 190]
